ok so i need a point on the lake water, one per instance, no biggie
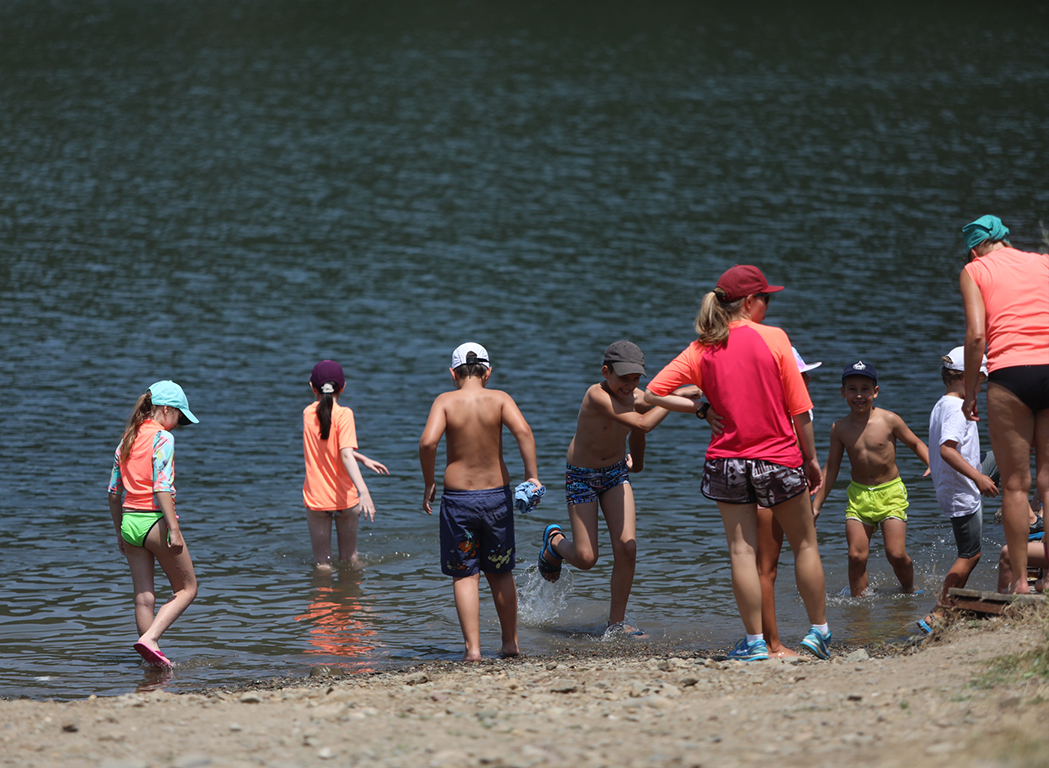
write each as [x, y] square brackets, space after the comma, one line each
[224, 193]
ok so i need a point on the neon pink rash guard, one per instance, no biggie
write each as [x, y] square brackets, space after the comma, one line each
[753, 382]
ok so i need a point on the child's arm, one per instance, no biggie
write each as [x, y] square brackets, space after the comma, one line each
[349, 460]
[903, 434]
[636, 448]
[116, 511]
[807, 442]
[651, 417]
[952, 457]
[830, 472]
[167, 506]
[374, 466]
[515, 422]
[428, 443]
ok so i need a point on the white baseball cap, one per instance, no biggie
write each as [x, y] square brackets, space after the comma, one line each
[463, 351]
[955, 361]
[802, 365]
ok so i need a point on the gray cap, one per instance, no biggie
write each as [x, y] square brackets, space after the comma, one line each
[625, 357]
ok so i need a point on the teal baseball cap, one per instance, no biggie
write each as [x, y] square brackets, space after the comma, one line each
[984, 228]
[169, 393]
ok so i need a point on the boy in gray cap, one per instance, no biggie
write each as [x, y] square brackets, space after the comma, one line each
[612, 417]
[877, 496]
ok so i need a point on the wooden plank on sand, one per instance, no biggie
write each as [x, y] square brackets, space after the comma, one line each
[979, 601]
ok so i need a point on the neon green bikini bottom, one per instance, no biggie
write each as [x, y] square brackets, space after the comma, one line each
[135, 526]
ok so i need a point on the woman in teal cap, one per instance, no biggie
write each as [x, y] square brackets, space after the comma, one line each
[1005, 292]
[145, 520]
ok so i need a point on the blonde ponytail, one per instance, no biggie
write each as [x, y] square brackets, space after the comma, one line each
[713, 319]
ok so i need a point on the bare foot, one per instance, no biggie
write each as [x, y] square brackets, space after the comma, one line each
[467, 656]
[510, 652]
[783, 652]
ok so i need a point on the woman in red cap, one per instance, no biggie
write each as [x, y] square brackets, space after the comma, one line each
[334, 490]
[749, 376]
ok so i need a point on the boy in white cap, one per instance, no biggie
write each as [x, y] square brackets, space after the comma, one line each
[877, 496]
[477, 506]
[954, 461]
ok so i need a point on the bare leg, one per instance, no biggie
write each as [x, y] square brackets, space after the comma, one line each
[770, 542]
[741, 532]
[468, 609]
[1036, 557]
[581, 549]
[617, 505]
[959, 574]
[179, 571]
[346, 523]
[504, 593]
[858, 535]
[894, 531]
[320, 536]
[1011, 425]
[141, 562]
[795, 518]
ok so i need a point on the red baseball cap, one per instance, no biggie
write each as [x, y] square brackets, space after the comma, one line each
[744, 280]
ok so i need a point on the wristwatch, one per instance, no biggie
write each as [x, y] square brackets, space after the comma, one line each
[701, 411]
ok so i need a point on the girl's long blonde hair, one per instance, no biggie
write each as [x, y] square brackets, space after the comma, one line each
[714, 316]
[143, 410]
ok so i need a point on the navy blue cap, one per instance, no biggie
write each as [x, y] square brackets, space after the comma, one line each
[860, 368]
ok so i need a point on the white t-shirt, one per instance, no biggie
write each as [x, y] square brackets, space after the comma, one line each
[957, 494]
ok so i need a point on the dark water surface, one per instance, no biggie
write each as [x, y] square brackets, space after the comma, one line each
[224, 193]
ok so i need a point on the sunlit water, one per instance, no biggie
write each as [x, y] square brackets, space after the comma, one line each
[224, 193]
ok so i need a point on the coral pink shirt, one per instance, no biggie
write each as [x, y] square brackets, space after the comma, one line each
[753, 382]
[328, 486]
[149, 467]
[1015, 289]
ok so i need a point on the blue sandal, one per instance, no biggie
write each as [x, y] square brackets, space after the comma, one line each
[550, 571]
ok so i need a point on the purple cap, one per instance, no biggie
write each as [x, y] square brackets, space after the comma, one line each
[327, 371]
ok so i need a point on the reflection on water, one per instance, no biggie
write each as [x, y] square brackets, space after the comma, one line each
[339, 624]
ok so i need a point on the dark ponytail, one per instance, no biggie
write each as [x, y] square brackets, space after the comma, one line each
[324, 407]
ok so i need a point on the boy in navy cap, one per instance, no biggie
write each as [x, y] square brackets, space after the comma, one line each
[877, 496]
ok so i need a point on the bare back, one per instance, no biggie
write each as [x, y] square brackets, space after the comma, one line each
[473, 431]
[871, 445]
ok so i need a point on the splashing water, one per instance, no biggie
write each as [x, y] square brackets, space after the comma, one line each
[538, 601]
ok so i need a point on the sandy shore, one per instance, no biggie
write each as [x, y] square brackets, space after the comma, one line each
[941, 703]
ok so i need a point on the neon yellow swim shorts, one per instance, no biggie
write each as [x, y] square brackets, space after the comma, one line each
[871, 504]
[135, 526]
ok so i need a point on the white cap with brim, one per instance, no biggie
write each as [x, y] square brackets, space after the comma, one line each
[170, 394]
[955, 361]
[463, 351]
[802, 365]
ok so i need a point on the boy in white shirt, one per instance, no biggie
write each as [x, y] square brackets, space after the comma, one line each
[954, 461]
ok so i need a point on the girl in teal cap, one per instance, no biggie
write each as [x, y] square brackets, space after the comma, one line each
[1005, 292]
[146, 524]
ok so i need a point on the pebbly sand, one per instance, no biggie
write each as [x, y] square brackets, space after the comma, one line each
[939, 703]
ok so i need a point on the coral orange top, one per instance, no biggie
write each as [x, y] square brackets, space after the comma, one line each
[328, 486]
[1015, 289]
[753, 382]
[150, 467]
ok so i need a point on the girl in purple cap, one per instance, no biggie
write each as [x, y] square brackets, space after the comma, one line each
[334, 490]
[145, 520]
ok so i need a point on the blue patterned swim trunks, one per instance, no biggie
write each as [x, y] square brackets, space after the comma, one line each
[583, 485]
